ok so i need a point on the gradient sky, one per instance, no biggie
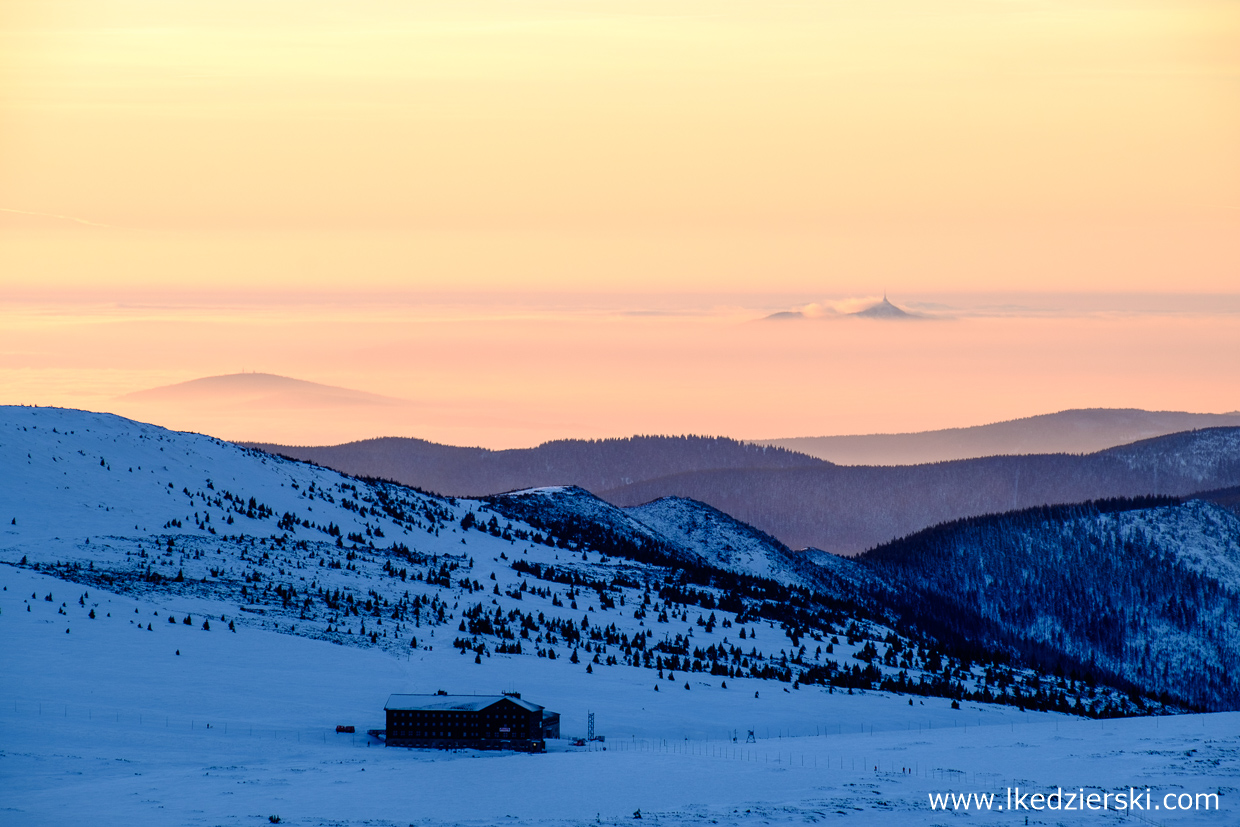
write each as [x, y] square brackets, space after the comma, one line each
[562, 218]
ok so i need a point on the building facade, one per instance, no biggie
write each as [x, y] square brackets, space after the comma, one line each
[469, 722]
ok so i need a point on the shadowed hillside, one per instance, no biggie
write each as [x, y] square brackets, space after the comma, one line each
[798, 499]
[1142, 593]
[595, 465]
[1066, 432]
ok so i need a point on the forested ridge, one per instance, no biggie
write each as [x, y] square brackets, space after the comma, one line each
[1145, 592]
[801, 500]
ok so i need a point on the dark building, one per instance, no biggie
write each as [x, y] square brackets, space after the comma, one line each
[469, 722]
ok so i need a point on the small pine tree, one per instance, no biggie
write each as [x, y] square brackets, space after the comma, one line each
[206, 625]
[589, 669]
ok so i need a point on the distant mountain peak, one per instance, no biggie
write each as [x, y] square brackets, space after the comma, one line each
[1073, 431]
[884, 310]
[265, 388]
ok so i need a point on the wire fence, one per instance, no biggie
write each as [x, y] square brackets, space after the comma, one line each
[150, 721]
[760, 752]
[783, 750]
[733, 748]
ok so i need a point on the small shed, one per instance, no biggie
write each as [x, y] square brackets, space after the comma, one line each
[550, 724]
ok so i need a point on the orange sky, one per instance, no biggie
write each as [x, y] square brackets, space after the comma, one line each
[236, 170]
[514, 373]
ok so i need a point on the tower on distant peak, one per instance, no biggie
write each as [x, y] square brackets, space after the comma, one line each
[884, 310]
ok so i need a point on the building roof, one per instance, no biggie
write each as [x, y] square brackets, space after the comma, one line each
[453, 703]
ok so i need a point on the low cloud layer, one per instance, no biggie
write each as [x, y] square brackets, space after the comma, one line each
[870, 306]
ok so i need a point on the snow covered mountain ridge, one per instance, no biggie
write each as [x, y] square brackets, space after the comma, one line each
[671, 588]
[1146, 592]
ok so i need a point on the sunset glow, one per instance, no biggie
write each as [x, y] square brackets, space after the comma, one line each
[549, 219]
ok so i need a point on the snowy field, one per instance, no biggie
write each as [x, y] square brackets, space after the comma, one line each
[125, 718]
[104, 724]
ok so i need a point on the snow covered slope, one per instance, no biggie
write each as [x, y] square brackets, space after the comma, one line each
[1149, 595]
[72, 474]
[719, 541]
[109, 726]
[670, 529]
[185, 622]
[279, 544]
[572, 511]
